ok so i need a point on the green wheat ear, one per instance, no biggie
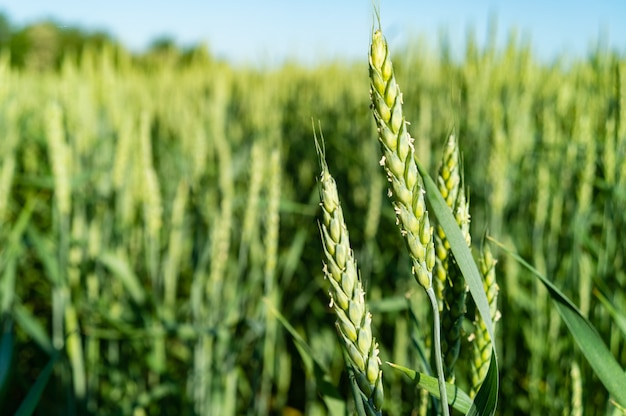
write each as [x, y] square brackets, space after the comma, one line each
[482, 350]
[407, 189]
[450, 285]
[347, 297]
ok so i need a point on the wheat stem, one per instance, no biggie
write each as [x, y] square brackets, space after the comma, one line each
[438, 359]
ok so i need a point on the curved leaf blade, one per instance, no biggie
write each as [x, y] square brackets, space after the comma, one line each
[313, 364]
[608, 370]
[487, 397]
[29, 404]
[457, 398]
[489, 390]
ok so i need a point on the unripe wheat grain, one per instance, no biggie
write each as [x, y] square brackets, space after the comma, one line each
[407, 187]
[354, 322]
[450, 284]
[397, 144]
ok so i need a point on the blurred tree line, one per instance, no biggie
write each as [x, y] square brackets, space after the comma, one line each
[43, 46]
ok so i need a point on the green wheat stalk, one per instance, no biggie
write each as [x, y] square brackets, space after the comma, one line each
[406, 188]
[450, 284]
[347, 297]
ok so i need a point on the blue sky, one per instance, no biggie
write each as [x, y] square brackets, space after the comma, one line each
[268, 31]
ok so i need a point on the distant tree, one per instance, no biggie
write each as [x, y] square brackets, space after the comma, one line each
[5, 31]
[44, 46]
[196, 54]
[162, 51]
[163, 44]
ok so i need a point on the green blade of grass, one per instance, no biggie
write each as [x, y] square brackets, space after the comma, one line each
[34, 394]
[118, 265]
[587, 337]
[487, 397]
[33, 328]
[6, 353]
[313, 365]
[44, 247]
[457, 398]
[489, 387]
[618, 316]
[9, 259]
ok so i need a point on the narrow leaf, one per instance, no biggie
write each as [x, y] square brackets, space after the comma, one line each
[31, 400]
[312, 364]
[119, 266]
[297, 338]
[33, 327]
[457, 398]
[593, 348]
[44, 248]
[487, 397]
[12, 253]
[6, 352]
[459, 247]
[489, 389]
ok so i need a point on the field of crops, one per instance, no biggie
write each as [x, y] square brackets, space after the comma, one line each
[160, 246]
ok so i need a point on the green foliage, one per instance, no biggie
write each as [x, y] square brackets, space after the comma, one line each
[597, 354]
[153, 273]
[45, 45]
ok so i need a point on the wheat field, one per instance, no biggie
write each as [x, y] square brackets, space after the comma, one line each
[160, 247]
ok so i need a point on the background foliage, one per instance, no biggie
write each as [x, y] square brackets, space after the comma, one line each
[139, 229]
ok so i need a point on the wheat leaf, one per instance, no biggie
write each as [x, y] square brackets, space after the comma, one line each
[587, 337]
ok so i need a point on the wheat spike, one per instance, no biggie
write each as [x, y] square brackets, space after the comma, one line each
[406, 184]
[482, 342]
[407, 188]
[60, 157]
[451, 287]
[347, 297]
